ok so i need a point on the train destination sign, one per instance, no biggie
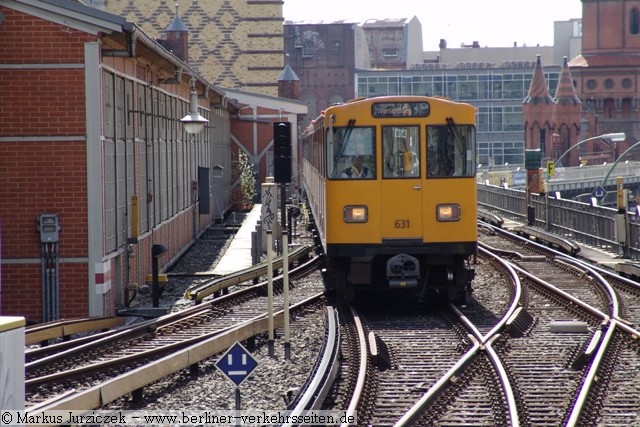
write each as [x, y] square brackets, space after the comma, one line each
[400, 109]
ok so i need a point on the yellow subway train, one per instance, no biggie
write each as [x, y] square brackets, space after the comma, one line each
[391, 185]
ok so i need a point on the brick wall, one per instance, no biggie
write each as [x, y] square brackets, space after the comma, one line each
[44, 169]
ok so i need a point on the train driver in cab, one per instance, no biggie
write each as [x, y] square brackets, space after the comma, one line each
[358, 168]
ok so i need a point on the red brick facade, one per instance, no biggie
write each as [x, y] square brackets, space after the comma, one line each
[599, 91]
[54, 159]
[44, 168]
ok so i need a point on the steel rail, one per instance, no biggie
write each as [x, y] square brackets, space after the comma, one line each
[614, 307]
[153, 325]
[199, 292]
[101, 394]
[362, 367]
[479, 343]
[67, 327]
[315, 389]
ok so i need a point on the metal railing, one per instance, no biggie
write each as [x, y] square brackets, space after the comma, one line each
[581, 222]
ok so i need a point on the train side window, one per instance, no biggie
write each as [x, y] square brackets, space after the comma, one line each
[450, 151]
[351, 153]
[401, 151]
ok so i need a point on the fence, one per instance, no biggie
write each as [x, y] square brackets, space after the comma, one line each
[596, 226]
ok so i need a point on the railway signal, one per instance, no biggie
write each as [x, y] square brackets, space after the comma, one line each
[237, 364]
[551, 168]
[282, 152]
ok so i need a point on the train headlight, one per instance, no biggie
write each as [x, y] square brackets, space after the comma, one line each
[446, 213]
[355, 214]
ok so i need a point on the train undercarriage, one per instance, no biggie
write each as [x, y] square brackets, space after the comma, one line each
[446, 279]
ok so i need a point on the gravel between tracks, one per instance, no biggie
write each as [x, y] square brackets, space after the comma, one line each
[209, 389]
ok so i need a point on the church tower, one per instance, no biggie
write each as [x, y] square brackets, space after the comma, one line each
[537, 113]
[567, 113]
[610, 28]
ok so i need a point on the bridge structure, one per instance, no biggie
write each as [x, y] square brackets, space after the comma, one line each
[575, 183]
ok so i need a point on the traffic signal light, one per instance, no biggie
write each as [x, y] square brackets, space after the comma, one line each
[282, 152]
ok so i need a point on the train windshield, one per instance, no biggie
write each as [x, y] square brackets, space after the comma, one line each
[451, 151]
[401, 151]
[351, 153]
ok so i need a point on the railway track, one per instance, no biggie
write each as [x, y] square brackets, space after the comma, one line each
[65, 329]
[531, 350]
[134, 348]
[581, 313]
[554, 349]
[401, 355]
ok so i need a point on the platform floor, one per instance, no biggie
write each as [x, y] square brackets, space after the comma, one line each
[238, 255]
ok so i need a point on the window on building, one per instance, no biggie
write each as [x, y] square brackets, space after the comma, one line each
[336, 48]
[336, 98]
[512, 119]
[483, 120]
[634, 21]
[484, 85]
[390, 53]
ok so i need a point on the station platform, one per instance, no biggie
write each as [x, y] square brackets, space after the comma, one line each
[238, 256]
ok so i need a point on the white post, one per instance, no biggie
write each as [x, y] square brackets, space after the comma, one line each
[270, 291]
[269, 211]
[12, 366]
[285, 287]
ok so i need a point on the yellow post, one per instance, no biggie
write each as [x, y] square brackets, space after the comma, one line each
[621, 194]
[135, 224]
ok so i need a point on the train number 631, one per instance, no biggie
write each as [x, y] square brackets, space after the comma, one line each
[402, 223]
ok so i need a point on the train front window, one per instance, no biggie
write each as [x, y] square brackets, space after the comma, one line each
[351, 153]
[451, 151]
[401, 151]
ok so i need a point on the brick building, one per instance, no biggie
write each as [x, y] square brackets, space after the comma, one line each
[325, 56]
[236, 45]
[597, 93]
[95, 166]
[394, 44]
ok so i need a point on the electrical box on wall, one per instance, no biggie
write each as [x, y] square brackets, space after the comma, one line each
[49, 227]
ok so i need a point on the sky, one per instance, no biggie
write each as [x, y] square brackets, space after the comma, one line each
[492, 23]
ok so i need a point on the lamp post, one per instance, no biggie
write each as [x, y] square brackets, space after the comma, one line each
[615, 137]
[193, 122]
[604, 180]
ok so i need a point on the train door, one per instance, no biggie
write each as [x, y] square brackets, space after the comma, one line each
[401, 189]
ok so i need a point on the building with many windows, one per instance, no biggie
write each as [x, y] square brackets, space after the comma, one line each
[495, 80]
[495, 88]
